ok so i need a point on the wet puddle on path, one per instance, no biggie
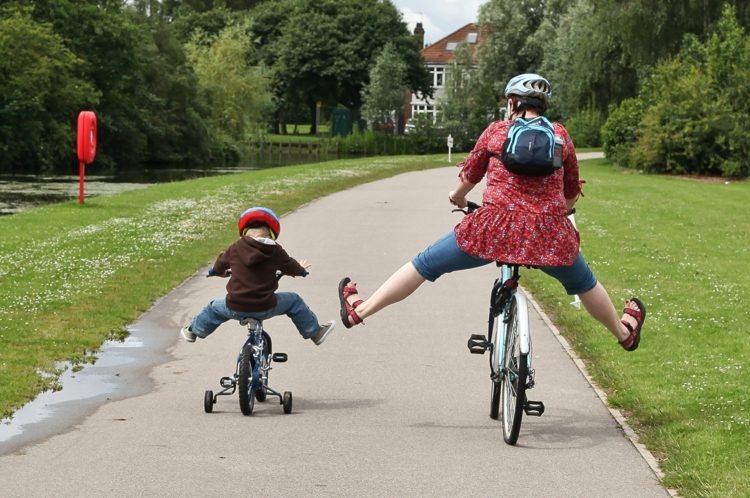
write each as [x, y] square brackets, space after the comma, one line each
[121, 371]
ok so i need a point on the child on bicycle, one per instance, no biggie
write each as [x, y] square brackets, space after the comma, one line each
[523, 220]
[252, 263]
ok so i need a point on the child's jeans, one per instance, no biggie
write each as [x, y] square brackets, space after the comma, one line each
[287, 303]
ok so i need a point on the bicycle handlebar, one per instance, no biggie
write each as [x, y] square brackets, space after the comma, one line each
[472, 206]
[229, 273]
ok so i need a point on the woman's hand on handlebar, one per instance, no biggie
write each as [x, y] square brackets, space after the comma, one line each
[468, 207]
[457, 200]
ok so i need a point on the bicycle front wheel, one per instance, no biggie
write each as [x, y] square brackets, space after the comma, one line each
[245, 380]
[515, 375]
[495, 367]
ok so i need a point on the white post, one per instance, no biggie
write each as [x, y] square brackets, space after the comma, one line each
[450, 146]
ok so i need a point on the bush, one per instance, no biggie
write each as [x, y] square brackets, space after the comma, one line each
[619, 132]
[426, 138]
[585, 126]
[369, 143]
[690, 116]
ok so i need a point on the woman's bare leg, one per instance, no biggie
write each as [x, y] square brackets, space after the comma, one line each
[398, 286]
[599, 305]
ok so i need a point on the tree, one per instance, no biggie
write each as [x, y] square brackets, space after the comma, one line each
[325, 49]
[585, 72]
[383, 96]
[177, 133]
[603, 49]
[116, 50]
[509, 45]
[469, 104]
[41, 92]
[691, 113]
[237, 92]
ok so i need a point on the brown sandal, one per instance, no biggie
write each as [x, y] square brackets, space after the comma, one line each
[347, 310]
[631, 343]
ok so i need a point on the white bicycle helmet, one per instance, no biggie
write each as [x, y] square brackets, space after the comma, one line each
[529, 85]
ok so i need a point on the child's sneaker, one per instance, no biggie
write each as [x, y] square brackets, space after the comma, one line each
[322, 332]
[187, 334]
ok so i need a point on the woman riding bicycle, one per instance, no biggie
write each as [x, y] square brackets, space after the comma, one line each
[523, 220]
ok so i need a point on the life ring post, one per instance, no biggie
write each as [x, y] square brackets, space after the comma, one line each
[85, 147]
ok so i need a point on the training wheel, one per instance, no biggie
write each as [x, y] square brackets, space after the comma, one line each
[208, 401]
[287, 402]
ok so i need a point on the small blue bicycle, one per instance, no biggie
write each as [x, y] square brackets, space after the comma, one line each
[251, 373]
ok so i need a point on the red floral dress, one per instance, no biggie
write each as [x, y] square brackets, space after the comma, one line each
[523, 219]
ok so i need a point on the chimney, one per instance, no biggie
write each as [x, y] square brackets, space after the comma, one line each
[419, 34]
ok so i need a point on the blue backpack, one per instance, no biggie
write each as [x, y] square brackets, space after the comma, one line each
[532, 149]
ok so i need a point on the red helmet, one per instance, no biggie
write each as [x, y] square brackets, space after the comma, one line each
[262, 215]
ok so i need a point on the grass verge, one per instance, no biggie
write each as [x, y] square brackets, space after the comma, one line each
[681, 246]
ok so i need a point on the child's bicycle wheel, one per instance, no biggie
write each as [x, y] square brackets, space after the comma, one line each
[208, 401]
[245, 380]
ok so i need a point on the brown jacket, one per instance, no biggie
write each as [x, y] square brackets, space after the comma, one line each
[253, 283]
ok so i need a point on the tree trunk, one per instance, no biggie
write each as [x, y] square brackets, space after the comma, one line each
[313, 117]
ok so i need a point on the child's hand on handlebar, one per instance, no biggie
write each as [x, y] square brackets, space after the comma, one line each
[212, 273]
[304, 263]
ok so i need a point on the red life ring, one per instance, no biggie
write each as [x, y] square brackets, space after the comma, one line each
[86, 137]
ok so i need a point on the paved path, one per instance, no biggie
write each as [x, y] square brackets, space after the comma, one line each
[395, 408]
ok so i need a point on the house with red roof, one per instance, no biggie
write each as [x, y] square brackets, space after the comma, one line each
[437, 57]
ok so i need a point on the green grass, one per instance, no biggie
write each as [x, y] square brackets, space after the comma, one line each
[68, 275]
[682, 247]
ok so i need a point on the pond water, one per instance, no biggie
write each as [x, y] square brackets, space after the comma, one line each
[20, 192]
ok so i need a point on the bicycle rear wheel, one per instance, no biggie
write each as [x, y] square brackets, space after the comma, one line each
[245, 380]
[515, 375]
[260, 393]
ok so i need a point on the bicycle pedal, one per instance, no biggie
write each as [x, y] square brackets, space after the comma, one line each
[279, 357]
[534, 408]
[226, 382]
[478, 344]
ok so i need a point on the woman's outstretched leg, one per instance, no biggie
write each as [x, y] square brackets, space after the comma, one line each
[396, 288]
[599, 305]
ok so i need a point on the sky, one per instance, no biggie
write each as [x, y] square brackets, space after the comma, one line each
[438, 17]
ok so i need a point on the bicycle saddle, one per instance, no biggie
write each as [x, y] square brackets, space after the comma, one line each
[250, 322]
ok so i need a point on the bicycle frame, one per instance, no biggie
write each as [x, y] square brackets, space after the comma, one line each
[504, 292]
[256, 341]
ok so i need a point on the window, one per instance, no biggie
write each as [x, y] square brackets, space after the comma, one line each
[471, 38]
[438, 76]
[451, 46]
[430, 110]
